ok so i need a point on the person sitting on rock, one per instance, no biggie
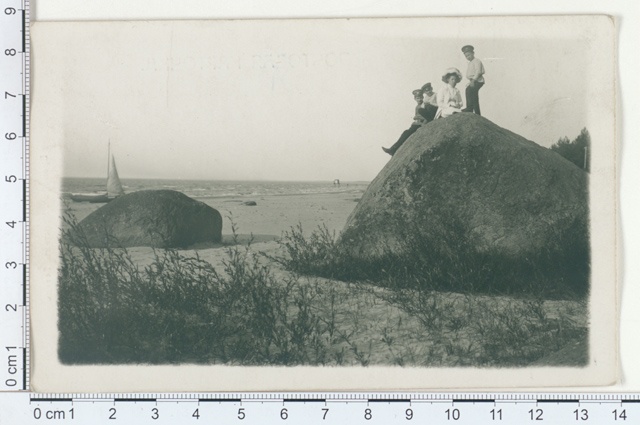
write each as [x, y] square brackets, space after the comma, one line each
[418, 120]
[430, 103]
[449, 97]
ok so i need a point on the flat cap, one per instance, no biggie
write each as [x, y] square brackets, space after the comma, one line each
[467, 48]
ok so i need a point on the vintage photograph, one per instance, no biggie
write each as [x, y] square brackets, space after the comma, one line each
[412, 194]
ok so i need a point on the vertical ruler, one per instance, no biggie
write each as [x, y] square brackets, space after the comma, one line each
[14, 192]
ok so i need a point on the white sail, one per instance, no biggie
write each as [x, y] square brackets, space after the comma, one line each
[114, 187]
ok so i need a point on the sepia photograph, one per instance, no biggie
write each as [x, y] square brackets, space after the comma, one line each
[408, 197]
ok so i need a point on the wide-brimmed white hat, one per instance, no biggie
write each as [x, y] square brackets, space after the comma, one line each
[452, 71]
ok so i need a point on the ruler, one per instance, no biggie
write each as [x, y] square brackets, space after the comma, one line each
[331, 408]
[14, 192]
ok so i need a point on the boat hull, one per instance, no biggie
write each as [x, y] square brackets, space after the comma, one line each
[95, 198]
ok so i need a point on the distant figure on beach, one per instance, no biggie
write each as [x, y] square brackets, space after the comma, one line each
[418, 120]
[430, 103]
[336, 182]
[449, 97]
[475, 75]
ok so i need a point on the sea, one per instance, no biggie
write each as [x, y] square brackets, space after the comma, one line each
[206, 189]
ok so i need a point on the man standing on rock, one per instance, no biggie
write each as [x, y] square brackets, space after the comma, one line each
[475, 72]
[430, 103]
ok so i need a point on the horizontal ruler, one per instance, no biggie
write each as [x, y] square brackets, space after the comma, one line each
[316, 408]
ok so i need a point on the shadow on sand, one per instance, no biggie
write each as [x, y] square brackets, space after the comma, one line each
[231, 240]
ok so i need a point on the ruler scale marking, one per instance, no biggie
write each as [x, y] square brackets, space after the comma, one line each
[51, 399]
[24, 369]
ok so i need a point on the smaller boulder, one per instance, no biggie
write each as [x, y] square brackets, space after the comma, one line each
[250, 203]
[154, 218]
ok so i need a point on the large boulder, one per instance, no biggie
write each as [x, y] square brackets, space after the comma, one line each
[464, 180]
[155, 218]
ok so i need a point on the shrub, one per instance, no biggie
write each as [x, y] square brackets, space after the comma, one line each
[181, 309]
[447, 260]
[457, 294]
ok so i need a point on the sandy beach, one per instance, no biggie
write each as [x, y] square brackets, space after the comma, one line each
[364, 324]
[262, 224]
[271, 215]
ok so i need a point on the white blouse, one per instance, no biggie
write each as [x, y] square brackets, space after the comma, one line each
[449, 101]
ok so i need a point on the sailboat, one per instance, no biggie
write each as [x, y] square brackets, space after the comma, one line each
[114, 186]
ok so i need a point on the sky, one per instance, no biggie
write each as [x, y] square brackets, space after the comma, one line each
[293, 99]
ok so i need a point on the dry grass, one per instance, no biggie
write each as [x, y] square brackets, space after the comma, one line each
[251, 310]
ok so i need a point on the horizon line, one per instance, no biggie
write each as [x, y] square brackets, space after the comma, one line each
[219, 179]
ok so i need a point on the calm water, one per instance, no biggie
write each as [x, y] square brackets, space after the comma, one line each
[216, 188]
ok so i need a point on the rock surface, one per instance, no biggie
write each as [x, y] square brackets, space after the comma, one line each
[496, 188]
[155, 218]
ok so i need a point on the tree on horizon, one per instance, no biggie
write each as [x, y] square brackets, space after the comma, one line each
[576, 149]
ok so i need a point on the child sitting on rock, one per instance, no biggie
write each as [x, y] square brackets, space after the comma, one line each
[429, 105]
[418, 120]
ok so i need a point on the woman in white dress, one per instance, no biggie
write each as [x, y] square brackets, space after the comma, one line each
[449, 97]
